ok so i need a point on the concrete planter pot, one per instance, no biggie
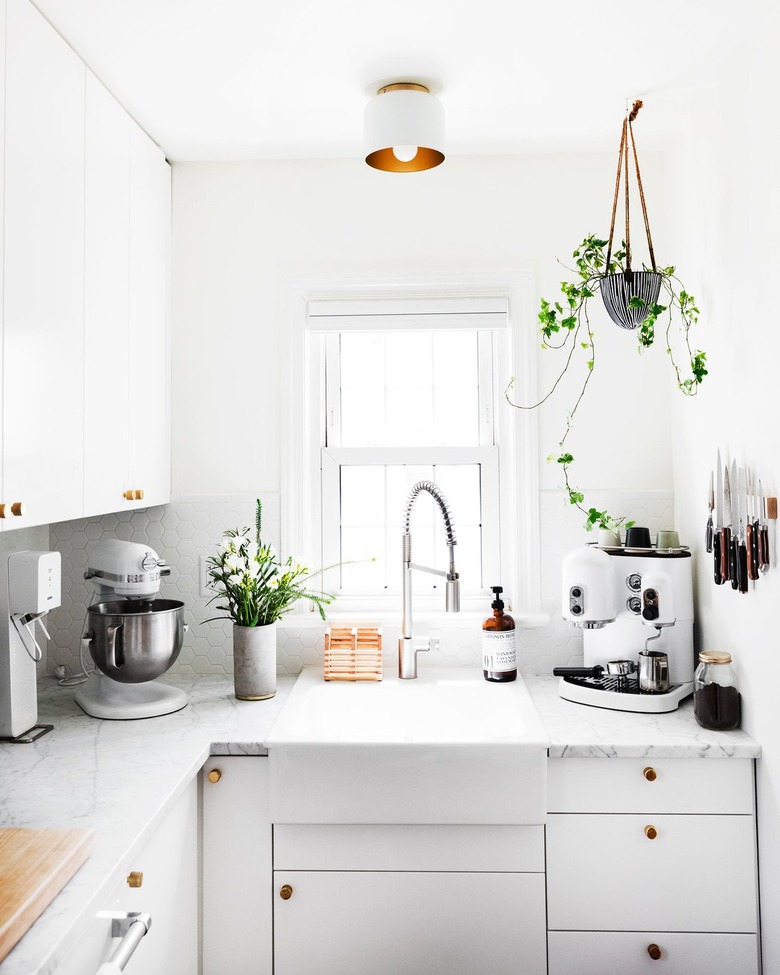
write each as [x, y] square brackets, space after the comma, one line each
[254, 662]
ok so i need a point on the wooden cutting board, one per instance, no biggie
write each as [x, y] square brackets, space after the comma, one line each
[35, 864]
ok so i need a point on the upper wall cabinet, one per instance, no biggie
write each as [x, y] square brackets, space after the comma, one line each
[86, 368]
[149, 354]
[43, 307]
[126, 322]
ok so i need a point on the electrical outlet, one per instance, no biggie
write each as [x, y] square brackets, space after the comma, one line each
[205, 588]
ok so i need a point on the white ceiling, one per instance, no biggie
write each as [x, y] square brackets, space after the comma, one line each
[252, 79]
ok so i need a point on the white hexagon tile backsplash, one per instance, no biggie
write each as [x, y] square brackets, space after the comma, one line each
[186, 529]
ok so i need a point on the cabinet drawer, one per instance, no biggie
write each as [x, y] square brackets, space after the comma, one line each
[594, 953]
[341, 923]
[398, 847]
[605, 873]
[669, 785]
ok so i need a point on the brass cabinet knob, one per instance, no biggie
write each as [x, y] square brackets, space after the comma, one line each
[285, 892]
[650, 774]
[3, 510]
[135, 878]
[133, 495]
[214, 775]
[18, 508]
[651, 832]
[654, 951]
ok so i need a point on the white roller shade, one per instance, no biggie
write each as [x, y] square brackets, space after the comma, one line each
[407, 314]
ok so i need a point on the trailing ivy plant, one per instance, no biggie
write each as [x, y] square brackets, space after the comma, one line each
[565, 324]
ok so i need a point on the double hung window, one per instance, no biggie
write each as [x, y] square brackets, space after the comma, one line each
[409, 392]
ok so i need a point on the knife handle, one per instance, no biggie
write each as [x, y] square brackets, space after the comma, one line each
[749, 542]
[763, 542]
[717, 542]
[708, 533]
[754, 550]
[734, 562]
[742, 561]
[725, 553]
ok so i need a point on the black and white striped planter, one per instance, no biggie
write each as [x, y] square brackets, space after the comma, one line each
[618, 289]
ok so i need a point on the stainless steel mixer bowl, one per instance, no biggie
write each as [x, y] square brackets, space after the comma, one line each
[133, 641]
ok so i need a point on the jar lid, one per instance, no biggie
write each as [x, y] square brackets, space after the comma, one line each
[715, 657]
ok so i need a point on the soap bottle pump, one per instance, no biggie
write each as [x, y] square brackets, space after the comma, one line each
[499, 652]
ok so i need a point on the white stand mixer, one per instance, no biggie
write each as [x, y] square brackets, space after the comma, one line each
[132, 636]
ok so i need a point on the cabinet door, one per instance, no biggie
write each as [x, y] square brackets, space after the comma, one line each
[2, 236]
[168, 892]
[43, 409]
[415, 923]
[673, 873]
[106, 256]
[237, 880]
[149, 355]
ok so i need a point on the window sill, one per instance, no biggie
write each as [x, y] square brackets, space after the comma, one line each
[523, 621]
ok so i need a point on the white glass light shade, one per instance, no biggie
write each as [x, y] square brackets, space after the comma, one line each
[404, 116]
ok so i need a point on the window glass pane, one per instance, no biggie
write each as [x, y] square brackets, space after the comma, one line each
[409, 388]
[373, 512]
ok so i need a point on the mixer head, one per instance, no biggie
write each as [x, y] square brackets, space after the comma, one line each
[127, 569]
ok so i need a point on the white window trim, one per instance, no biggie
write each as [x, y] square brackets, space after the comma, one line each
[518, 429]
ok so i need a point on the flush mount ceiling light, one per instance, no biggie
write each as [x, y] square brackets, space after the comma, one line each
[404, 129]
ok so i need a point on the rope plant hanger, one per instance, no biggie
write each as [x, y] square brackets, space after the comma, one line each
[629, 295]
[632, 299]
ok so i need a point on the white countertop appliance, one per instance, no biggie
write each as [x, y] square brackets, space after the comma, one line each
[132, 635]
[29, 591]
[628, 600]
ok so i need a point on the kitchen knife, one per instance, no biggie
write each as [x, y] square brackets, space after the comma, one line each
[752, 546]
[740, 544]
[710, 504]
[717, 535]
[763, 531]
[727, 570]
[748, 528]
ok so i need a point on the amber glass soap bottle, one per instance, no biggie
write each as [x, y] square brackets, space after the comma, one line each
[499, 653]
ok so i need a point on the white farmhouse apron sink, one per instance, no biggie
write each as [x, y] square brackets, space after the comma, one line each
[448, 747]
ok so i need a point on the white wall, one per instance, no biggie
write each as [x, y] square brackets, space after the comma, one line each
[725, 214]
[241, 229]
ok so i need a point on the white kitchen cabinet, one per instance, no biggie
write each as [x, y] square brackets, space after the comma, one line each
[423, 900]
[85, 318]
[43, 310]
[237, 879]
[651, 866]
[149, 347]
[168, 869]
[126, 320]
[106, 296]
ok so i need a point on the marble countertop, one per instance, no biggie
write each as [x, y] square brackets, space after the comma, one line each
[579, 731]
[120, 778]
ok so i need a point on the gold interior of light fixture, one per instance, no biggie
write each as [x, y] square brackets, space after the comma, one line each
[403, 86]
[385, 159]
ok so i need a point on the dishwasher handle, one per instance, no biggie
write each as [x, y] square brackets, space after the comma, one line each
[130, 927]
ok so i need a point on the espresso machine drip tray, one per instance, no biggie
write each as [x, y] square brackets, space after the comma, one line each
[621, 694]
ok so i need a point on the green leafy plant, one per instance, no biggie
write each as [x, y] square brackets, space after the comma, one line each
[565, 325]
[256, 585]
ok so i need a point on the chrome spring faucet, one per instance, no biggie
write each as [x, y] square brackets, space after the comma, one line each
[408, 648]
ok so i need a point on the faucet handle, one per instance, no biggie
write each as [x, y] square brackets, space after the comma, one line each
[423, 645]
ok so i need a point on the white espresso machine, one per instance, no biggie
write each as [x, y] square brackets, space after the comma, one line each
[634, 605]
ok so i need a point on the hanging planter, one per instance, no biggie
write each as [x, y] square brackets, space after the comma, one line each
[635, 300]
[629, 295]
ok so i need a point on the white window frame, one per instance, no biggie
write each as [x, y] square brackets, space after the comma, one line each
[303, 416]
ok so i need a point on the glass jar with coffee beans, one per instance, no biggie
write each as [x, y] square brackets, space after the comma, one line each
[716, 702]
